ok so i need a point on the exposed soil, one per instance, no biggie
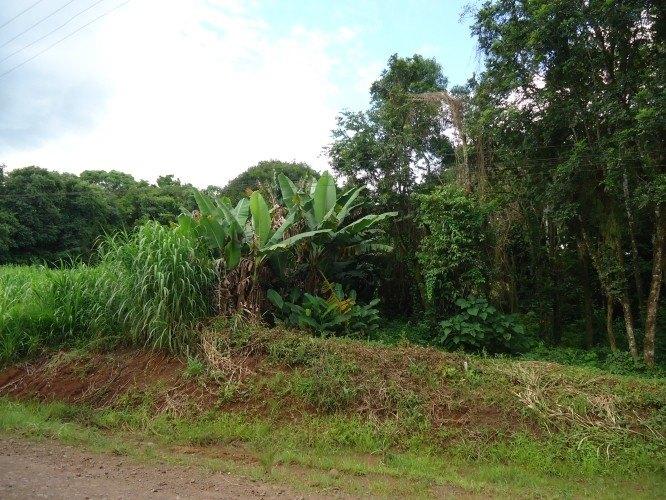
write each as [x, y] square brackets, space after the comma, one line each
[102, 379]
[99, 379]
[51, 470]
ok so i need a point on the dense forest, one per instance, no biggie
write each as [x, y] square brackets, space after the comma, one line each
[529, 201]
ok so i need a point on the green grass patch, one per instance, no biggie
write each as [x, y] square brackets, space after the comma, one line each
[150, 287]
[520, 465]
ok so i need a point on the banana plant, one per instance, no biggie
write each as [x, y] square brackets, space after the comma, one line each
[245, 229]
[326, 215]
[220, 225]
[321, 208]
[265, 240]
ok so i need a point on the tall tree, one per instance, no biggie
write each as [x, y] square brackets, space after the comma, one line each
[570, 106]
[395, 148]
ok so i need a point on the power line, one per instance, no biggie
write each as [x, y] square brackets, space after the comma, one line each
[52, 31]
[20, 13]
[36, 24]
[64, 38]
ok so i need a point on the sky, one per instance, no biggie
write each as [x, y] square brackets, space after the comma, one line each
[202, 89]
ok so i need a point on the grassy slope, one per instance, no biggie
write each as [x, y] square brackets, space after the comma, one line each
[384, 419]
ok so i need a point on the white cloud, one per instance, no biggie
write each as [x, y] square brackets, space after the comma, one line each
[195, 88]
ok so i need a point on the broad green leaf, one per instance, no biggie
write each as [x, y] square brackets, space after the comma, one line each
[324, 196]
[187, 224]
[214, 231]
[230, 216]
[349, 203]
[308, 214]
[275, 298]
[261, 218]
[232, 254]
[366, 222]
[204, 203]
[289, 191]
[242, 211]
[289, 242]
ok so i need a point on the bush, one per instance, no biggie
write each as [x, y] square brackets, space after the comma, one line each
[452, 253]
[479, 325]
[337, 314]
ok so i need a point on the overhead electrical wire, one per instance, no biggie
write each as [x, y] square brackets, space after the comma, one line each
[36, 24]
[52, 31]
[20, 13]
[64, 38]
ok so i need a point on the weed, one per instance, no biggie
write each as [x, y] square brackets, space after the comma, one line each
[194, 368]
[329, 384]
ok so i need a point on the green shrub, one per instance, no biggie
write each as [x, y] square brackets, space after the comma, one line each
[478, 326]
[337, 314]
[452, 252]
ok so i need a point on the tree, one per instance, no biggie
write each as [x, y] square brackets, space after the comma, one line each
[262, 177]
[139, 201]
[51, 216]
[395, 148]
[568, 121]
[399, 141]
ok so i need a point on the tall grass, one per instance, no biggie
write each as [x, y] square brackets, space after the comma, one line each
[164, 287]
[150, 287]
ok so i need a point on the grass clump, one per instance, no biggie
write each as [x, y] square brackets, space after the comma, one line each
[160, 288]
[150, 288]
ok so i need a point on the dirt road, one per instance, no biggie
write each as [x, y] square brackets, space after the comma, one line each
[51, 470]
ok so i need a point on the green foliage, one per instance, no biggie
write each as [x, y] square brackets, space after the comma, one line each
[194, 368]
[452, 253]
[602, 358]
[150, 288]
[334, 244]
[260, 178]
[337, 314]
[159, 285]
[478, 326]
[49, 216]
[329, 384]
[399, 139]
[41, 307]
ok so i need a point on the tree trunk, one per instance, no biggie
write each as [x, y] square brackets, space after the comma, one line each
[609, 324]
[655, 289]
[629, 325]
[634, 248]
[626, 303]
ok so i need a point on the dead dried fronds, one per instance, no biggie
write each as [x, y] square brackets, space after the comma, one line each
[226, 363]
[563, 404]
